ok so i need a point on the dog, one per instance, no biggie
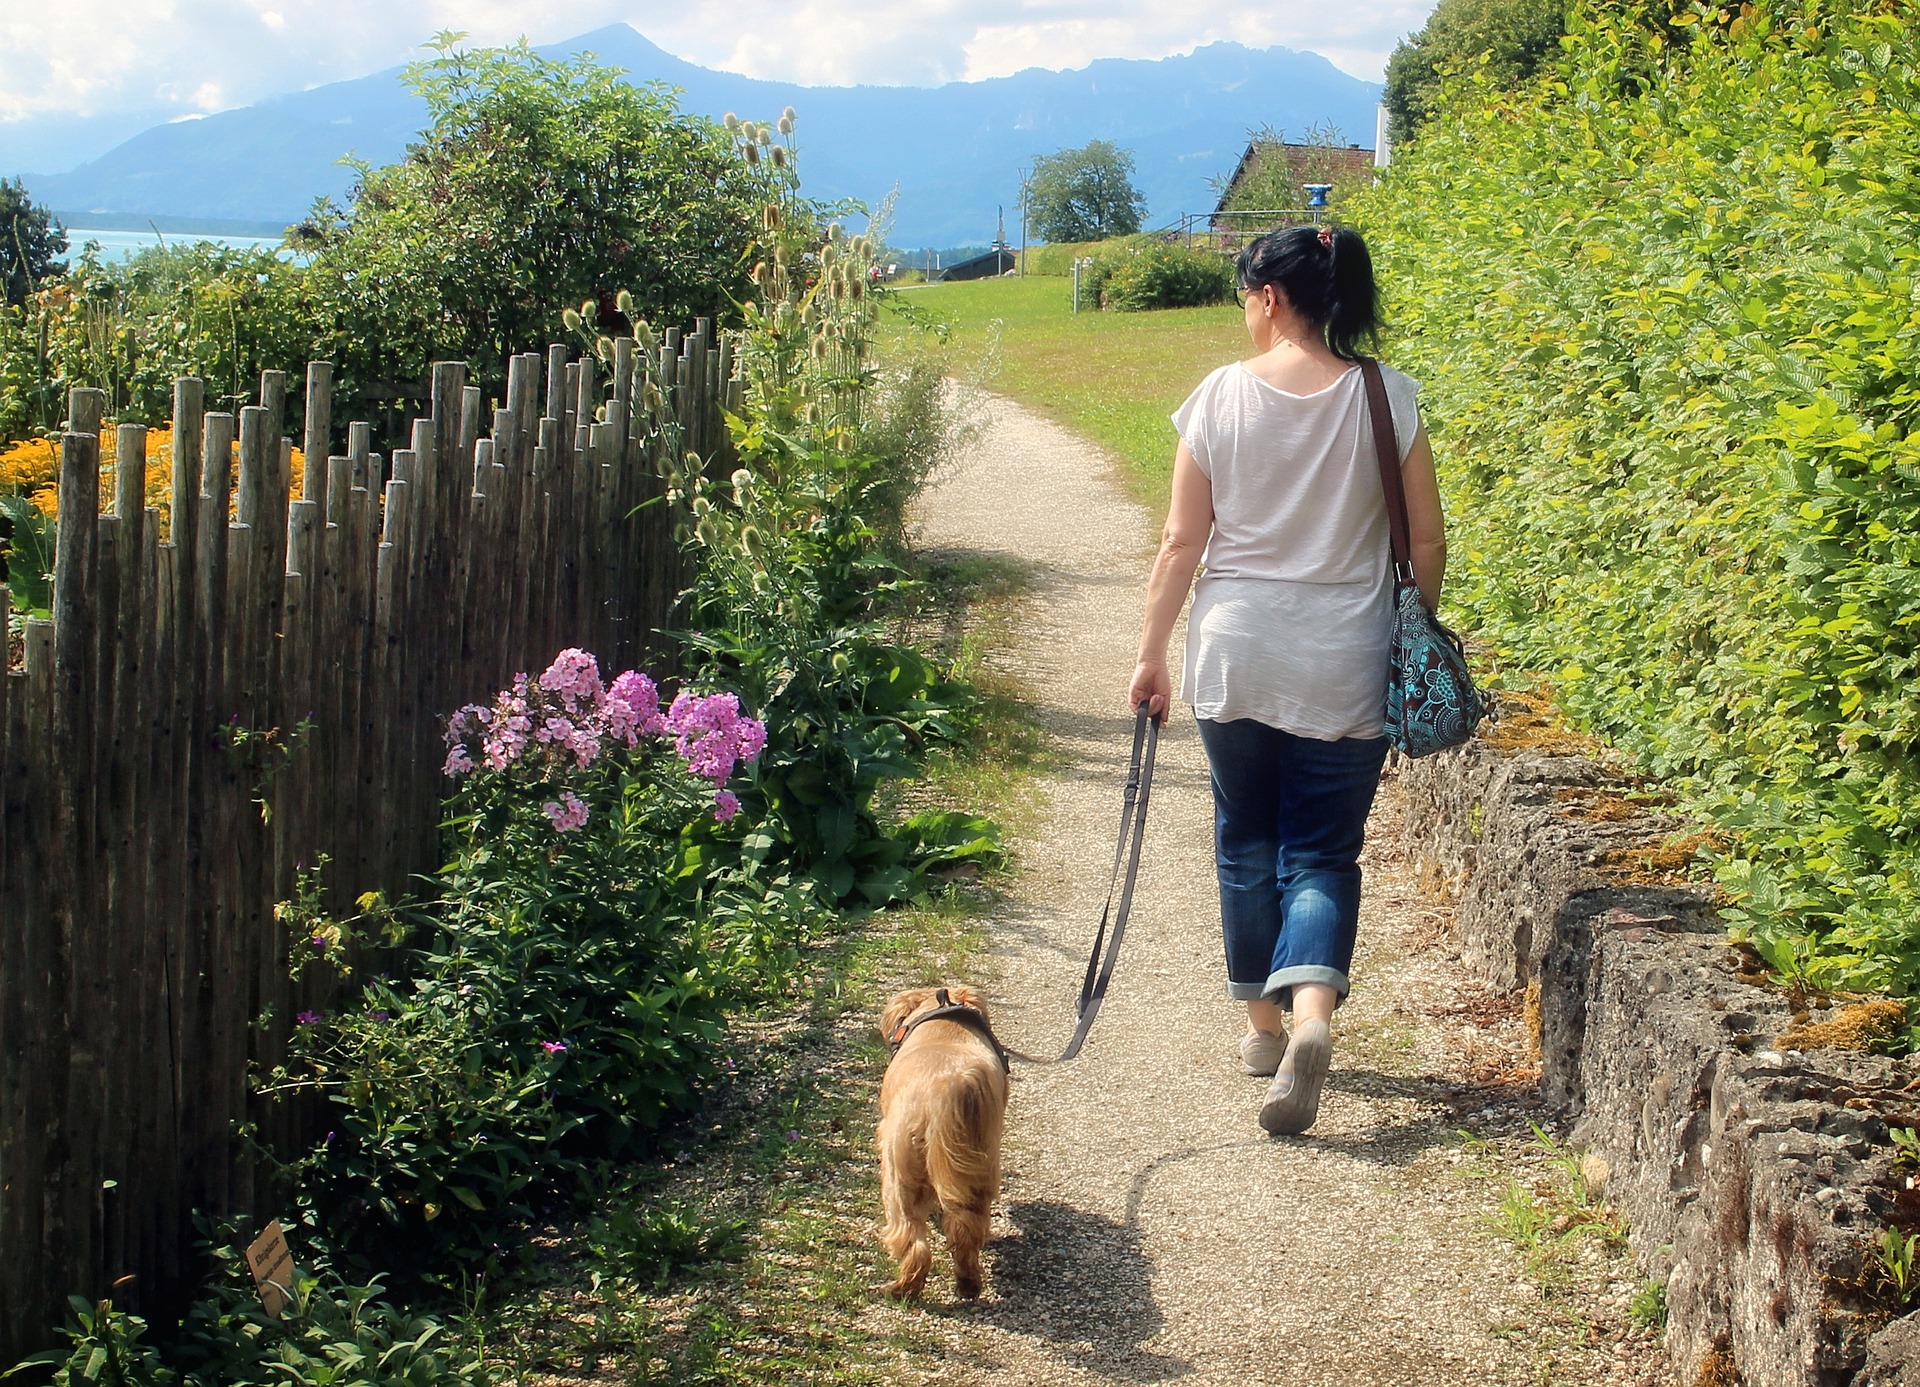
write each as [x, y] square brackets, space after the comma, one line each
[943, 1105]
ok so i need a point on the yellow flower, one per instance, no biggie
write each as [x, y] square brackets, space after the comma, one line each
[33, 467]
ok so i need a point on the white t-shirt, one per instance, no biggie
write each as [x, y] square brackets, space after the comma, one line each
[1292, 614]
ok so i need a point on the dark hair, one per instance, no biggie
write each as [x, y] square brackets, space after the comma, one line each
[1329, 282]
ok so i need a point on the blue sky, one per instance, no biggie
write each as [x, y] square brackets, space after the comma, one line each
[179, 58]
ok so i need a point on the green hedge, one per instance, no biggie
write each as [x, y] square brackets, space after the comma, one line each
[1145, 272]
[1664, 303]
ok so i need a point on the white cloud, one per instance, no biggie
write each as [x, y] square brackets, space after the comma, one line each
[186, 56]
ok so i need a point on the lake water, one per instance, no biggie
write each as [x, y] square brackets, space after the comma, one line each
[120, 245]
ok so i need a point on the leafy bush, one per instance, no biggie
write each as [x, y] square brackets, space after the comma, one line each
[537, 183]
[567, 986]
[1662, 301]
[1505, 41]
[328, 1332]
[1148, 272]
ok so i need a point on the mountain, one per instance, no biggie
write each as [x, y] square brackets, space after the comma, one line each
[954, 151]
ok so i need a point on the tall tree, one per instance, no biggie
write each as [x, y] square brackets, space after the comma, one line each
[31, 242]
[1085, 194]
[1513, 37]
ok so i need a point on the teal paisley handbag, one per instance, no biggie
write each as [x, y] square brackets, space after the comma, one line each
[1431, 701]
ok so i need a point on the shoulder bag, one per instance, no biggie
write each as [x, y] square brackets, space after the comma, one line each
[1431, 703]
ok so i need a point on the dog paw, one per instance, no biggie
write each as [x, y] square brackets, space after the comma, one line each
[901, 1290]
[967, 1287]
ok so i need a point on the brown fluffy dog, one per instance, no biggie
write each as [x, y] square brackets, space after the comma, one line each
[942, 1107]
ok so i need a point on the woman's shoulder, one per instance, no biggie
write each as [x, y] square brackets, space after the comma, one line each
[1398, 380]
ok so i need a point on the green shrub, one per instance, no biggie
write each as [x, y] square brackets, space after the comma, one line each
[329, 1332]
[1147, 272]
[1662, 300]
[565, 991]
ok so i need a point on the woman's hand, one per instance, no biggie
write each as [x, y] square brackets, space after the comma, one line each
[1151, 685]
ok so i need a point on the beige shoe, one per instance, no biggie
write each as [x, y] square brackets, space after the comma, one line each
[1260, 1053]
[1293, 1100]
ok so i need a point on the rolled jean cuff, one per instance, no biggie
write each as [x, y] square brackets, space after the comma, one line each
[1283, 979]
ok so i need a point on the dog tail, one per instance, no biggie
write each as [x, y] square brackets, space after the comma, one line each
[963, 1143]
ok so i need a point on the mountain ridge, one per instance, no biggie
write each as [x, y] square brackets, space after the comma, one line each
[954, 151]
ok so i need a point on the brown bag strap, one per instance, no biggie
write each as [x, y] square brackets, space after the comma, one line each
[1387, 444]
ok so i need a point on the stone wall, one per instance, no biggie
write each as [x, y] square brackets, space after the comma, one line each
[1758, 1180]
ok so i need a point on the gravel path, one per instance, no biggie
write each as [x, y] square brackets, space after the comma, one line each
[1149, 1231]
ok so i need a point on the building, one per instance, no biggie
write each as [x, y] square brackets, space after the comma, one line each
[1304, 164]
[990, 264]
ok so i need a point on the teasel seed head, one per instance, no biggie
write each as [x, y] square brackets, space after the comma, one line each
[624, 302]
[770, 215]
[732, 122]
[788, 115]
[651, 396]
[755, 546]
[779, 156]
[572, 320]
[753, 154]
[785, 124]
[589, 309]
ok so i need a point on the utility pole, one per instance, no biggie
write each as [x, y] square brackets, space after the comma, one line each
[1025, 176]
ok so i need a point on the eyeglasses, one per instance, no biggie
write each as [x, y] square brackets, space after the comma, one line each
[1241, 292]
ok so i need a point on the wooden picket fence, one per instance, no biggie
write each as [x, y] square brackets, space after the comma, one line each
[207, 714]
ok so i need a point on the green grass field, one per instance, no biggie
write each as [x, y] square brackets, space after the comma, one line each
[1113, 376]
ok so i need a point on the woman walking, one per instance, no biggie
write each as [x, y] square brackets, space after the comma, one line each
[1276, 489]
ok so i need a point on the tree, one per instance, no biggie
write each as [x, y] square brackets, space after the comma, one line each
[1084, 194]
[31, 241]
[1513, 37]
[538, 184]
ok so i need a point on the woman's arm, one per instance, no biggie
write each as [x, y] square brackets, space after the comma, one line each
[1426, 527]
[1189, 523]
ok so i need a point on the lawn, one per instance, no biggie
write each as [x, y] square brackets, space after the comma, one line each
[1113, 376]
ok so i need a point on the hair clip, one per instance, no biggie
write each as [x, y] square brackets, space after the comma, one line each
[1326, 237]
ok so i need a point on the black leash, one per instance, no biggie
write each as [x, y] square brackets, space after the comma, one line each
[1133, 826]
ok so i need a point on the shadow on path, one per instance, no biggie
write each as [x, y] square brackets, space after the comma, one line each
[1081, 1283]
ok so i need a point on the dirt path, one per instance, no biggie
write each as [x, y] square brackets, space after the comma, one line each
[1149, 1231]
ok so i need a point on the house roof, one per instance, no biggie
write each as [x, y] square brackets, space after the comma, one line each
[1345, 161]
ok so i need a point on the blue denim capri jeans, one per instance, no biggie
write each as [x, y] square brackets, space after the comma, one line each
[1290, 814]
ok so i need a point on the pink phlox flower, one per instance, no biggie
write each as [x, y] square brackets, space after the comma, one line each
[574, 675]
[458, 762]
[569, 813]
[633, 708]
[725, 805]
[554, 1047]
[308, 1018]
[712, 736]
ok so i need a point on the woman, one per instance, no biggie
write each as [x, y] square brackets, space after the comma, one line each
[1276, 488]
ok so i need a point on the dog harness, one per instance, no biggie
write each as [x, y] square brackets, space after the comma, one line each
[972, 1018]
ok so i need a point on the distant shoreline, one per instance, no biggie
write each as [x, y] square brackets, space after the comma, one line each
[170, 226]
